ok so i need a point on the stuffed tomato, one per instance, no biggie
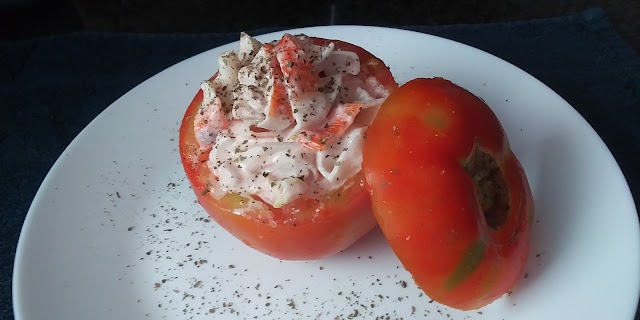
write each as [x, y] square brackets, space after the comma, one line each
[272, 143]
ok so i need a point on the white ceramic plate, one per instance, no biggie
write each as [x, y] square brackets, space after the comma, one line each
[114, 232]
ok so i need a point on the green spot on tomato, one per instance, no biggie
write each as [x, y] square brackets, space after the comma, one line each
[435, 118]
[470, 261]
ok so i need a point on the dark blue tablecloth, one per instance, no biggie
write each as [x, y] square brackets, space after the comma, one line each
[51, 88]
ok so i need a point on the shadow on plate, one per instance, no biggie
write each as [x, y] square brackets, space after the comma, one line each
[371, 246]
[555, 195]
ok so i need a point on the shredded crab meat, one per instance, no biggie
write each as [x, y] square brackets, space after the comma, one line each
[335, 162]
[209, 120]
[285, 120]
[340, 119]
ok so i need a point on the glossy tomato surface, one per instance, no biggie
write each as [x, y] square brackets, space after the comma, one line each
[449, 194]
[305, 228]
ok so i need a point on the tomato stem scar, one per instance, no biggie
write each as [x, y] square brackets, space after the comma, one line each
[491, 188]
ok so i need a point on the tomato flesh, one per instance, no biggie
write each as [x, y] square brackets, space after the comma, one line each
[305, 228]
[450, 196]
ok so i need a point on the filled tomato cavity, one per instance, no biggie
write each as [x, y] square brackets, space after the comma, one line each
[285, 120]
[491, 188]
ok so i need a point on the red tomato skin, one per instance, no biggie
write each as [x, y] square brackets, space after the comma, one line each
[426, 203]
[304, 229]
